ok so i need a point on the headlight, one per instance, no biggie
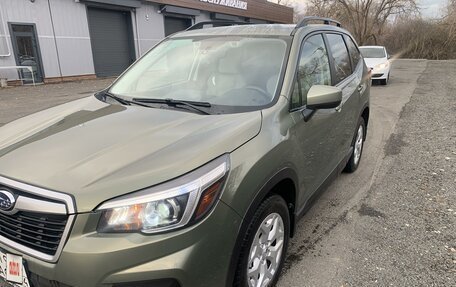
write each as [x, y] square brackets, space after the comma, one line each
[382, 66]
[166, 206]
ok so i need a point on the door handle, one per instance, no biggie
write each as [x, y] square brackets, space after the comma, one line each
[360, 88]
[339, 108]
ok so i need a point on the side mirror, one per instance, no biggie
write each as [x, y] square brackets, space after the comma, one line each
[323, 97]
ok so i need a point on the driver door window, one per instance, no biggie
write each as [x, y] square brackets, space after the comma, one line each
[313, 69]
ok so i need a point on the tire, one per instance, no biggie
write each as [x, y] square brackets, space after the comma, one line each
[358, 145]
[272, 215]
[384, 82]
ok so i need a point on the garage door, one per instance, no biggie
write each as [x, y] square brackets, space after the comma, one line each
[175, 24]
[112, 45]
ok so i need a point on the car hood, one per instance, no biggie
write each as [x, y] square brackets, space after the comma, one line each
[96, 151]
[372, 62]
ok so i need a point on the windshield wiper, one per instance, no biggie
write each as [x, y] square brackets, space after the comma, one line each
[116, 98]
[124, 101]
[170, 102]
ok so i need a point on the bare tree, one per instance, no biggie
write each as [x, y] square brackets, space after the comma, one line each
[396, 24]
[449, 21]
[365, 18]
[282, 2]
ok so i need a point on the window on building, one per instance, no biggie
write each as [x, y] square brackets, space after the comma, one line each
[339, 51]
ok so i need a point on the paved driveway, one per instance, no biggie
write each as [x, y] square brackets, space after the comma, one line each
[16, 102]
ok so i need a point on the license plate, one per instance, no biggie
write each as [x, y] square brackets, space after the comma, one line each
[12, 270]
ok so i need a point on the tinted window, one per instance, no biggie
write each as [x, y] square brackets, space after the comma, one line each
[313, 69]
[296, 97]
[354, 53]
[342, 63]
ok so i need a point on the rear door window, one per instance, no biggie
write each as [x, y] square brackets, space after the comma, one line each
[355, 55]
[342, 64]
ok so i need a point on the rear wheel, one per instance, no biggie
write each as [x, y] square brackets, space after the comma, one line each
[264, 245]
[358, 144]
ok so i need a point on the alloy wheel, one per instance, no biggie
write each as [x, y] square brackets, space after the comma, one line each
[266, 251]
[358, 145]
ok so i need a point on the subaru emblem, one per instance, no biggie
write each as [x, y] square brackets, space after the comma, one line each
[7, 200]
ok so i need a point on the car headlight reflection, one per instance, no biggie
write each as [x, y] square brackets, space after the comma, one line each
[381, 66]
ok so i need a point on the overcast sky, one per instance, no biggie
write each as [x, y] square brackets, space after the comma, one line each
[432, 8]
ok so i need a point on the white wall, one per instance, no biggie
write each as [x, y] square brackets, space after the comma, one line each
[73, 38]
[27, 12]
[71, 31]
[151, 26]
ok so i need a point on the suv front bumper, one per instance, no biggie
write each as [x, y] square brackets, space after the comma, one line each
[198, 255]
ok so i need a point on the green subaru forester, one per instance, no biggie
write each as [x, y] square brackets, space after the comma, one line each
[192, 168]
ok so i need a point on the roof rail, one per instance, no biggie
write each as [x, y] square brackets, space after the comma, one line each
[307, 19]
[201, 25]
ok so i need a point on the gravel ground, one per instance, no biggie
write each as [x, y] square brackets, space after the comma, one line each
[410, 213]
[397, 228]
[16, 102]
[406, 230]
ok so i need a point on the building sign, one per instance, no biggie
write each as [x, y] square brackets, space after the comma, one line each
[238, 4]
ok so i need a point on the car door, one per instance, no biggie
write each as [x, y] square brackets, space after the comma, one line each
[349, 82]
[360, 79]
[313, 139]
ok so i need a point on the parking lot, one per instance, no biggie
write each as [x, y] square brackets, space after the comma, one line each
[392, 223]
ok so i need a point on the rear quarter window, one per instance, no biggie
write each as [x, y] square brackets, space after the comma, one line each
[342, 64]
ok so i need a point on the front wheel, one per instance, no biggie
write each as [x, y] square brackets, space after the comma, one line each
[264, 246]
[384, 82]
[357, 147]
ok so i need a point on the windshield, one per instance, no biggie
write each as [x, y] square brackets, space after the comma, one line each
[230, 71]
[372, 52]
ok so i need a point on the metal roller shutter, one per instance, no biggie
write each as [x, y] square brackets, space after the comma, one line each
[111, 37]
[176, 24]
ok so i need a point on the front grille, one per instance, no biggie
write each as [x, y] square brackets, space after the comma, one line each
[41, 232]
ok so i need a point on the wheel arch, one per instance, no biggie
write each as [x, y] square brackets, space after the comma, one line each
[282, 183]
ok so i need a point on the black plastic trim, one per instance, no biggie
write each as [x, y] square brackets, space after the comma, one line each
[219, 23]
[152, 283]
[305, 21]
[331, 105]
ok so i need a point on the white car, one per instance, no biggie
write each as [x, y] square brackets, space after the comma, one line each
[377, 59]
